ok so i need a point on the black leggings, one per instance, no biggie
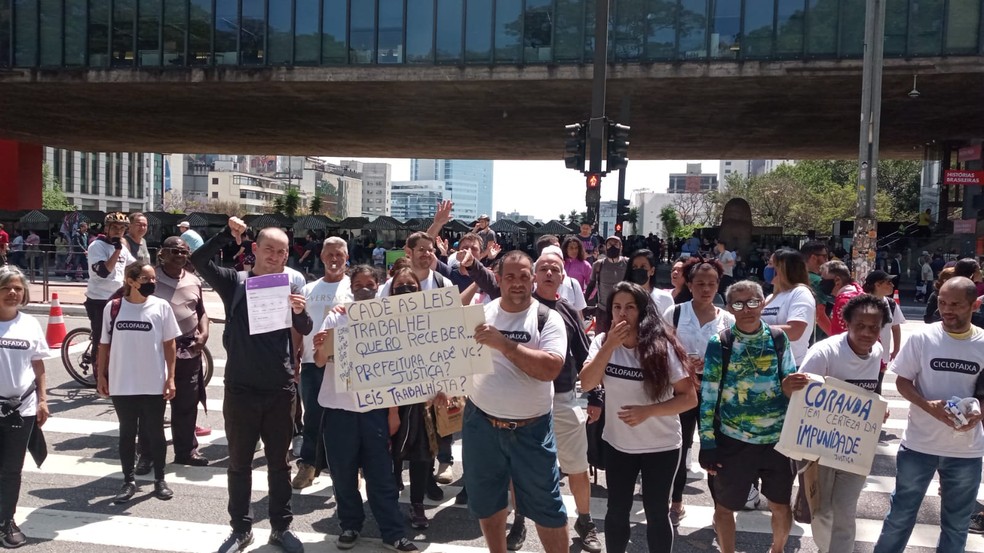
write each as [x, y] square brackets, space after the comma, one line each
[13, 448]
[688, 421]
[621, 471]
[94, 309]
[144, 412]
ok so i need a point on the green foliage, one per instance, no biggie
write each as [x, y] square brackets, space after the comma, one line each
[315, 205]
[52, 195]
[291, 201]
[671, 221]
[572, 217]
[632, 217]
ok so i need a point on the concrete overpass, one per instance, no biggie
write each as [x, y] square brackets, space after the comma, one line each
[479, 78]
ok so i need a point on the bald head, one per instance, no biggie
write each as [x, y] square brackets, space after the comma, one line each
[271, 232]
[960, 287]
[173, 242]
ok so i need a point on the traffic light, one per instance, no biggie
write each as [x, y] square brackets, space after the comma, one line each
[618, 228]
[618, 146]
[575, 146]
[592, 193]
[623, 210]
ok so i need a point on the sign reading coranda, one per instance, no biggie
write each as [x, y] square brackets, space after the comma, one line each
[405, 349]
[835, 423]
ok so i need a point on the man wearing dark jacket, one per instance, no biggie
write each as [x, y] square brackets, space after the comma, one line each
[259, 385]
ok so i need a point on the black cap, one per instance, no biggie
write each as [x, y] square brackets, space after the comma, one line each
[875, 277]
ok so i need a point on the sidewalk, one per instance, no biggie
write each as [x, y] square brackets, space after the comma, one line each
[71, 295]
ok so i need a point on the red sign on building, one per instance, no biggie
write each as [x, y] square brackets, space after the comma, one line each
[969, 153]
[960, 177]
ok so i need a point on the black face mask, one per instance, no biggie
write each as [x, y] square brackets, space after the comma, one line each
[147, 289]
[639, 276]
[404, 289]
[827, 286]
[362, 294]
[613, 252]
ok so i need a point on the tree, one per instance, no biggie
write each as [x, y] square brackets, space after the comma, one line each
[230, 208]
[277, 204]
[695, 209]
[315, 206]
[291, 202]
[562, 218]
[632, 217]
[573, 218]
[671, 221]
[52, 195]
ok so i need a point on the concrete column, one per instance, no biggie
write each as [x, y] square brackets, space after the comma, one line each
[20, 175]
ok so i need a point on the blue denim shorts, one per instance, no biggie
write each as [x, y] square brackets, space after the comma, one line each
[527, 456]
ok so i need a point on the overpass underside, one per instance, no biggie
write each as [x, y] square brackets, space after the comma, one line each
[747, 110]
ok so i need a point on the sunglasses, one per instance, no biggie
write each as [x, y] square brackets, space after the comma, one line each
[178, 251]
[751, 304]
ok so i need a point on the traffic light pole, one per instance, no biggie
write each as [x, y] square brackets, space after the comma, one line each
[865, 243]
[597, 125]
[619, 214]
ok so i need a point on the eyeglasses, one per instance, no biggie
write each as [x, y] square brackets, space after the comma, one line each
[178, 251]
[741, 305]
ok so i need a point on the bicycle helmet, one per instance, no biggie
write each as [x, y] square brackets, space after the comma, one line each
[116, 217]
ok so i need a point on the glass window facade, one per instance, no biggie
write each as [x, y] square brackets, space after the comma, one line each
[179, 33]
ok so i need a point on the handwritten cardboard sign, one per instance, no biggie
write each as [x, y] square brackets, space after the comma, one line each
[404, 349]
[835, 423]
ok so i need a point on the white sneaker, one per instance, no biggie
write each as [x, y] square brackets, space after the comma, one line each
[295, 446]
[444, 474]
[755, 499]
[259, 444]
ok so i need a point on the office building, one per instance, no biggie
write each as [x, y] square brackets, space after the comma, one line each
[417, 199]
[376, 186]
[108, 181]
[693, 181]
[468, 183]
[748, 168]
[516, 217]
[649, 205]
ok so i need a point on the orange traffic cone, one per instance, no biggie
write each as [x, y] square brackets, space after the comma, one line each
[895, 297]
[56, 324]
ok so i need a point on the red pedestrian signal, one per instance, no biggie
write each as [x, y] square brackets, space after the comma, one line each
[593, 180]
[618, 228]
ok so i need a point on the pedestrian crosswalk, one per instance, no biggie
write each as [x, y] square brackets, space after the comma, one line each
[65, 503]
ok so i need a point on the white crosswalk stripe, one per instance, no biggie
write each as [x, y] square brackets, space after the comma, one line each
[143, 531]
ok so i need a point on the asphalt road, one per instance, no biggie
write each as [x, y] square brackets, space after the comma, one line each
[65, 506]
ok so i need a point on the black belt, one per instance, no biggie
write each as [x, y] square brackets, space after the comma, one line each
[508, 424]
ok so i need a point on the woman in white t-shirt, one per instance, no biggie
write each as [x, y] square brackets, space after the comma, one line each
[642, 271]
[791, 307]
[641, 365]
[136, 369]
[695, 322]
[854, 357]
[22, 352]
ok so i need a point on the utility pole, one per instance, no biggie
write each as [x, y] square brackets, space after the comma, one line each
[865, 242]
[597, 126]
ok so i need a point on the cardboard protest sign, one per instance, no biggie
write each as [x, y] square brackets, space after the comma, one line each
[405, 349]
[835, 423]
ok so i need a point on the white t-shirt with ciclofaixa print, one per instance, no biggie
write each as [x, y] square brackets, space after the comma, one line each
[797, 304]
[834, 357]
[136, 357]
[21, 341]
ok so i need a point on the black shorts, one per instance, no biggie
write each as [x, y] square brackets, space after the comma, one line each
[741, 465]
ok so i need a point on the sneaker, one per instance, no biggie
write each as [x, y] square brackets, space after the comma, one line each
[401, 544]
[462, 497]
[144, 465]
[434, 492]
[516, 537]
[676, 516]
[977, 524]
[162, 491]
[588, 533]
[12, 535]
[259, 445]
[126, 493]
[237, 541]
[295, 446]
[304, 478]
[286, 540]
[202, 430]
[754, 499]
[418, 518]
[444, 474]
[347, 539]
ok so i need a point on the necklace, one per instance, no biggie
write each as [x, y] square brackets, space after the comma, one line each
[747, 353]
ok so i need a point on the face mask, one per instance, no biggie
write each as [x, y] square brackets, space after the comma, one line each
[147, 289]
[405, 289]
[613, 252]
[640, 276]
[827, 286]
[361, 294]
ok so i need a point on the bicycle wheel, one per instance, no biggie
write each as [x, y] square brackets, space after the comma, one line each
[208, 367]
[76, 355]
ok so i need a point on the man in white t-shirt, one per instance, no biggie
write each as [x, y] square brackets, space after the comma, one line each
[321, 295]
[937, 362]
[379, 256]
[420, 249]
[728, 261]
[508, 433]
[854, 357]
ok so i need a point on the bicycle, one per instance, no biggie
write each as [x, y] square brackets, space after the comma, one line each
[76, 355]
